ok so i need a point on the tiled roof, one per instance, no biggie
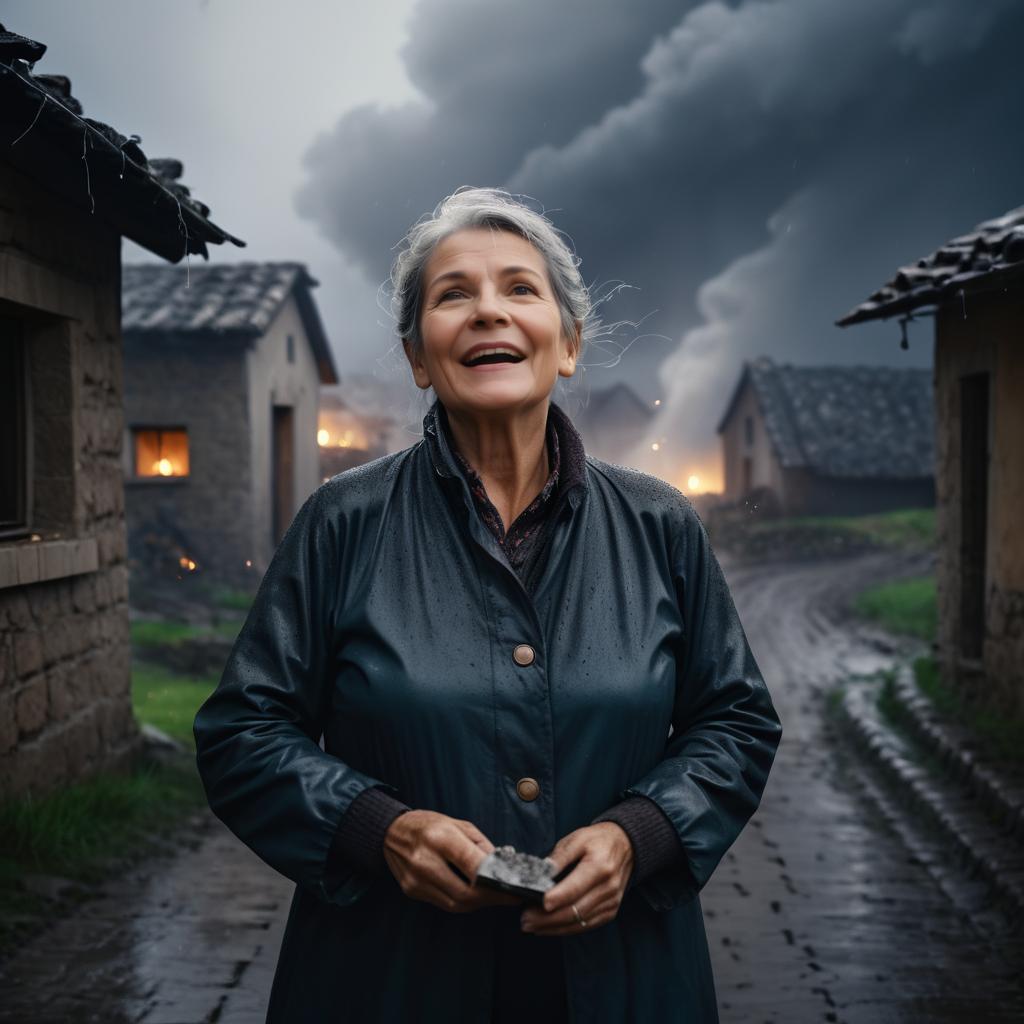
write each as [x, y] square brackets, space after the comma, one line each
[44, 135]
[225, 298]
[845, 421]
[993, 251]
[618, 396]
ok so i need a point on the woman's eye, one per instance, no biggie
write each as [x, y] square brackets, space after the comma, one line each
[451, 291]
[526, 286]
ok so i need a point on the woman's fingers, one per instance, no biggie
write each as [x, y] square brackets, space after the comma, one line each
[563, 922]
[444, 863]
[595, 885]
[436, 859]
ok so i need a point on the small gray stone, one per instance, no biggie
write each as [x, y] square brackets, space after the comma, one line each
[521, 873]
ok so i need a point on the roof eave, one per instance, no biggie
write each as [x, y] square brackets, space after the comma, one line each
[314, 327]
[734, 398]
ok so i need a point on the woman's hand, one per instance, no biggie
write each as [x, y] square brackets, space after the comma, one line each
[421, 847]
[596, 885]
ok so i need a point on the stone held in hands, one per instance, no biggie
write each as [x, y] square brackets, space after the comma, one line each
[519, 873]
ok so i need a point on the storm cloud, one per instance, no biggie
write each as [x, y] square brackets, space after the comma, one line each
[752, 169]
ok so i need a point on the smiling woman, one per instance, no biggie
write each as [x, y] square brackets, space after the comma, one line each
[502, 641]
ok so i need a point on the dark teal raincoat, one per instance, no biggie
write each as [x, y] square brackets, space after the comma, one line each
[386, 623]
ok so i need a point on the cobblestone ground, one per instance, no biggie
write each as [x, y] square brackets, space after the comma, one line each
[817, 914]
[186, 940]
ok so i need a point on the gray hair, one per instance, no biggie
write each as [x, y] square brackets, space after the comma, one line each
[494, 208]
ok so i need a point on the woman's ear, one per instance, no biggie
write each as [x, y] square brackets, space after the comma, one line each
[571, 352]
[419, 370]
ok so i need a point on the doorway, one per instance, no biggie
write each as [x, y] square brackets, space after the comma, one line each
[282, 475]
[974, 451]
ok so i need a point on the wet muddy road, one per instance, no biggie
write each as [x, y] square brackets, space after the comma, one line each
[817, 914]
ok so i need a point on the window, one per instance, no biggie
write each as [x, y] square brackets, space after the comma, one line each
[290, 343]
[749, 424]
[160, 451]
[15, 470]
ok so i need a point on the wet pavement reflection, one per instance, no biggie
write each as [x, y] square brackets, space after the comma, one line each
[186, 940]
[817, 914]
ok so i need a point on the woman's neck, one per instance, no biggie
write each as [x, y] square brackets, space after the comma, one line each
[509, 452]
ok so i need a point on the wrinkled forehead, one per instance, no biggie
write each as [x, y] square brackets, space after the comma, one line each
[491, 249]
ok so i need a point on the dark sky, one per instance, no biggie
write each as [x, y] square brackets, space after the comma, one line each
[751, 169]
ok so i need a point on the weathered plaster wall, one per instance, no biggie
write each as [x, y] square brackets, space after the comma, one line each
[765, 470]
[275, 381]
[990, 339]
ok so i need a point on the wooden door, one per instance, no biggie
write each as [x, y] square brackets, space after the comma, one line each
[282, 471]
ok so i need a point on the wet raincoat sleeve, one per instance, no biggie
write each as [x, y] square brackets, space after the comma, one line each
[725, 730]
[257, 735]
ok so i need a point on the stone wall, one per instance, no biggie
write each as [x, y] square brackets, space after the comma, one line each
[197, 382]
[987, 340]
[65, 663]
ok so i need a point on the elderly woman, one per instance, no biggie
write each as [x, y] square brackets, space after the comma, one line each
[501, 641]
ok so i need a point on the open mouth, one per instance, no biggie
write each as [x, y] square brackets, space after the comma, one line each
[495, 356]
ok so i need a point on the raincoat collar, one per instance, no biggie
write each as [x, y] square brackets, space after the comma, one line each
[573, 470]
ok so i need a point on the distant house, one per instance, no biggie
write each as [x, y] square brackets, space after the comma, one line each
[613, 420]
[361, 419]
[69, 189]
[222, 374]
[974, 287]
[829, 440]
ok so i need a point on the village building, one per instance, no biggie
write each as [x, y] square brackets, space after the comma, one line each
[222, 375]
[829, 440]
[363, 417]
[612, 421]
[70, 188]
[974, 288]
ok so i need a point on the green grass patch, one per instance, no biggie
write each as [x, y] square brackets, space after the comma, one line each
[231, 599]
[162, 633]
[903, 528]
[909, 530]
[1000, 736]
[77, 831]
[886, 701]
[906, 606]
[66, 832]
[168, 701]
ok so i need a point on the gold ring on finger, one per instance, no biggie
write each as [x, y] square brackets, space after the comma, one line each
[579, 917]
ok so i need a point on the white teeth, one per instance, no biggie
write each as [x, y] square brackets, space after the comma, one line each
[494, 351]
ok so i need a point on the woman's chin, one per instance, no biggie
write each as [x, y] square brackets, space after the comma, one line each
[494, 396]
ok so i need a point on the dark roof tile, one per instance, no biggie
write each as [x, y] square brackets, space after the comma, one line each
[994, 249]
[845, 421]
[44, 135]
[225, 298]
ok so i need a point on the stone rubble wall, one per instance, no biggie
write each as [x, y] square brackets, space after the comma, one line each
[65, 657]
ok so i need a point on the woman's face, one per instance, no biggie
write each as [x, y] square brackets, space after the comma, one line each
[487, 289]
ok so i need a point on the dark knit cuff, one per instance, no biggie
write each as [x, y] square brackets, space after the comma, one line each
[359, 839]
[655, 841]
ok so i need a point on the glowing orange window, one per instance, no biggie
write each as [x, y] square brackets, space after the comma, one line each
[161, 452]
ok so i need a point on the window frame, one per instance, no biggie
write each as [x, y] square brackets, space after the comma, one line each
[23, 469]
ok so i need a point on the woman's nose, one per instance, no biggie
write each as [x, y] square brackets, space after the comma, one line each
[489, 309]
